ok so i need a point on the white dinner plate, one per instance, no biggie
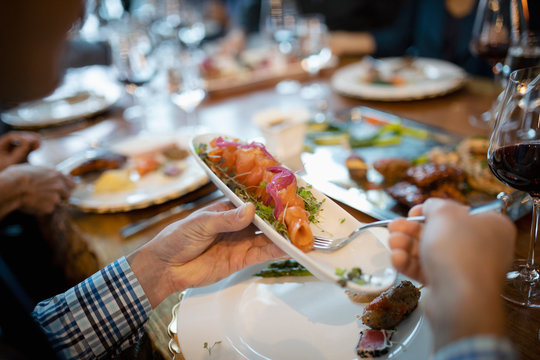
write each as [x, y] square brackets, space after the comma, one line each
[367, 251]
[291, 318]
[84, 92]
[151, 189]
[424, 79]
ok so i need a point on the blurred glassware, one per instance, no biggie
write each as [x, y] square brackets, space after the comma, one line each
[514, 157]
[524, 50]
[192, 28]
[278, 25]
[187, 87]
[490, 40]
[132, 55]
[314, 51]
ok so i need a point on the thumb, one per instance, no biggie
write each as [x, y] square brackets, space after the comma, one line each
[231, 220]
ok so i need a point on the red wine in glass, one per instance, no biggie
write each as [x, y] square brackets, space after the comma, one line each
[518, 166]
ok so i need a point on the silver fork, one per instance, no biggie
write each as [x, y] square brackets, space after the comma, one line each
[329, 244]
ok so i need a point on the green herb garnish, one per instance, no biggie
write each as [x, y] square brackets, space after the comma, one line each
[355, 275]
[283, 268]
[209, 348]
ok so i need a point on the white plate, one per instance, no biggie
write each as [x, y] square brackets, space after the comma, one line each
[83, 93]
[283, 319]
[430, 78]
[368, 251]
[153, 188]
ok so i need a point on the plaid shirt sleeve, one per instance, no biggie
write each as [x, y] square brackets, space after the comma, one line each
[103, 315]
[478, 348]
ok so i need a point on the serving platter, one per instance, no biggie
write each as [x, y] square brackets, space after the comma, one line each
[289, 318]
[420, 78]
[151, 189]
[367, 251]
[325, 168]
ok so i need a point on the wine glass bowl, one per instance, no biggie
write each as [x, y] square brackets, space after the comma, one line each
[187, 87]
[514, 158]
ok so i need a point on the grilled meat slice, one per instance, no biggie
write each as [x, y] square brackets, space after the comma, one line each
[390, 308]
[430, 174]
[393, 170]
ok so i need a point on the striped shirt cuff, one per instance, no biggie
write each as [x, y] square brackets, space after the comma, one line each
[483, 347]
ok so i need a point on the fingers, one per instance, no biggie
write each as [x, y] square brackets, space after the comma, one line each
[229, 220]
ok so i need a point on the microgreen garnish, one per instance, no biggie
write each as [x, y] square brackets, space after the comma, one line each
[209, 348]
[341, 221]
[355, 275]
[283, 268]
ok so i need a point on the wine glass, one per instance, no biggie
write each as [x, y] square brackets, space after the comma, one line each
[314, 48]
[278, 24]
[187, 87]
[490, 40]
[514, 158]
[524, 50]
[132, 59]
[192, 28]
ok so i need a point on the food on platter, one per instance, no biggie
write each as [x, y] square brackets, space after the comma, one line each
[457, 173]
[114, 181]
[382, 315]
[357, 168]
[254, 175]
[105, 161]
[357, 297]
[283, 268]
[374, 343]
[397, 73]
[388, 309]
[472, 154]
[392, 169]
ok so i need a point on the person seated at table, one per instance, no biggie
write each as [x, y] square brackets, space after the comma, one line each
[350, 16]
[462, 259]
[439, 29]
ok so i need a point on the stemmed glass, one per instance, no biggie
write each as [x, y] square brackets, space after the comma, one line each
[279, 23]
[192, 29]
[490, 40]
[314, 47]
[187, 88]
[132, 54]
[514, 157]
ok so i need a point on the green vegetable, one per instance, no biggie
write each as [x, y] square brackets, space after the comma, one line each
[283, 268]
[209, 348]
[355, 275]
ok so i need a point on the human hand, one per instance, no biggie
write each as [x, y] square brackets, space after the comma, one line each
[15, 147]
[41, 188]
[452, 240]
[202, 249]
[463, 259]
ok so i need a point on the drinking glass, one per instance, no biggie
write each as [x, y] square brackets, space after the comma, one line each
[187, 87]
[524, 50]
[132, 55]
[314, 48]
[490, 40]
[192, 29]
[514, 158]
[278, 24]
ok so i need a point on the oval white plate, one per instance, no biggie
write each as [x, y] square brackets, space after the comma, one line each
[283, 319]
[152, 189]
[438, 78]
[367, 251]
[84, 92]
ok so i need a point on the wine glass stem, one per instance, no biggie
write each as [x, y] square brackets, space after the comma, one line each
[531, 272]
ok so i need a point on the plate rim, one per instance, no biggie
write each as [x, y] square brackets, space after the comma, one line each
[110, 98]
[457, 82]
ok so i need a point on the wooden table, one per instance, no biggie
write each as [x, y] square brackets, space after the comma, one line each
[86, 242]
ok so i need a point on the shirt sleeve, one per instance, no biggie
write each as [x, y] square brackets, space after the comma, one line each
[102, 315]
[478, 348]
